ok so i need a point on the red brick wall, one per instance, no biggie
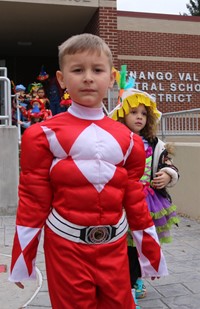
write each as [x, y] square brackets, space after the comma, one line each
[185, 73]
[167, 105]
[158, 44]
[104, 24]
[108, 29]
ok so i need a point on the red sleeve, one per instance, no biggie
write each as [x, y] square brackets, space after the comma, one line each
[35, 198]
[35, 194]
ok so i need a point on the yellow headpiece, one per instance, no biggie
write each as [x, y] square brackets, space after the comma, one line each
[132, 98]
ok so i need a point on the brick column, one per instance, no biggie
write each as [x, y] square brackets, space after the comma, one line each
[108, 29]
[104, 24]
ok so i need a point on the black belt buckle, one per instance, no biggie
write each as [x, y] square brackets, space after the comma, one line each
[97, 234]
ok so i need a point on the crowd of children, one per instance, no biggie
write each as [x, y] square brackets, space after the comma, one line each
[36, 102]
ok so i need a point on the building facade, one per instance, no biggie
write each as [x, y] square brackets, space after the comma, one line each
[161, 51]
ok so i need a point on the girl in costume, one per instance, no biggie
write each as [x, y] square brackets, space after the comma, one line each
[42, 97]
[32, 90]
[138, 111]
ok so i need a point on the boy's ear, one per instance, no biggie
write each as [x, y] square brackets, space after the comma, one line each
[112, 79]
[60, 79]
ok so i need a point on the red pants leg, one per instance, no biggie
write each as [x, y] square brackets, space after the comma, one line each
[84, 276]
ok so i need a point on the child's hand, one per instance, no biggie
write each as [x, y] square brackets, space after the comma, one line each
[161, 180]
[20, 285]
[153, 278]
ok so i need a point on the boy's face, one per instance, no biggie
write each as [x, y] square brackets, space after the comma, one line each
[87, 76]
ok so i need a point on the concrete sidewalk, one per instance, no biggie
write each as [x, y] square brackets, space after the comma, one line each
[35, 294]
[181, 289]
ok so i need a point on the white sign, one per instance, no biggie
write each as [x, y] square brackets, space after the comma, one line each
[164, 86]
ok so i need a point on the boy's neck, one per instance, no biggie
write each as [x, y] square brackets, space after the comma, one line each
[84, 112]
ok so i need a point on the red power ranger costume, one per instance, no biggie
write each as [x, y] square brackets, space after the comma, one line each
[79, 170]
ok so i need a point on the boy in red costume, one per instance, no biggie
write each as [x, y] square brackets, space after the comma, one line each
[79, 170]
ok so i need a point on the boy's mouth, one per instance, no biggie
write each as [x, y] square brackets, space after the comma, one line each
[88, 90]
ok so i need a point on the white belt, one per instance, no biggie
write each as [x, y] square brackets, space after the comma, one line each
[99, 234]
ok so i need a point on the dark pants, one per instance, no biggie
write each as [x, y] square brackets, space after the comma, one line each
[134, 265]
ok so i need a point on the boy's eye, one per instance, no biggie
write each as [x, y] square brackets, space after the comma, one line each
[97, 70]
[77, 70]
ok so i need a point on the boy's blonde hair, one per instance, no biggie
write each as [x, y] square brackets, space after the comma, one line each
[81, 43]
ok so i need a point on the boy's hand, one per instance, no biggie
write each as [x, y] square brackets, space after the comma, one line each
[153, 278]
[20, 285]
[161, 180]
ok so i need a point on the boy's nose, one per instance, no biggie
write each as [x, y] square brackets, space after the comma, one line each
[88, 76]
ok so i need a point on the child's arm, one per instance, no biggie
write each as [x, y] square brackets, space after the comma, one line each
[24, 124]
[167, 174]
[161, 180]
[23, 110]
[35, 196]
